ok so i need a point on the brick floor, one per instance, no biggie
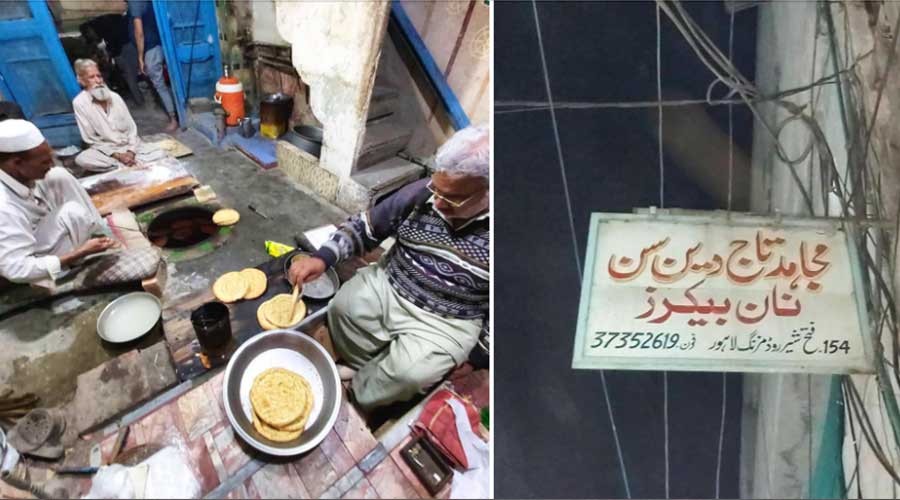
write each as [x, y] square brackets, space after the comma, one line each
[235, 453]
[196, 424]
[279, 481]
[199, 410]
[204, 469]
[352, 430]
[362, 490]
[337, 453]
[390, 482]
[316, 472]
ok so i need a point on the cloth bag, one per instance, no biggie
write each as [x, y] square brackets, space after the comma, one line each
[476, 481]
[438, 424]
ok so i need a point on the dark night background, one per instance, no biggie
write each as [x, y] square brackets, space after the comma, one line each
[553, 436]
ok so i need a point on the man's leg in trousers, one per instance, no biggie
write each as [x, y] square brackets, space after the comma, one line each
[127, 64]
[355, 319]
[153, 65]
[92, 160]
[407, 367]
[65, 229]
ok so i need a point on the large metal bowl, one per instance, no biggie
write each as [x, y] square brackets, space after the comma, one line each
[129, 317]
[296, 352]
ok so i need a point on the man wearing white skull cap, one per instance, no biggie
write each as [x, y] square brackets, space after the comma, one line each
[46, 217]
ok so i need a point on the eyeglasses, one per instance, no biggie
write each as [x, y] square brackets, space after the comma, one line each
[450, 201]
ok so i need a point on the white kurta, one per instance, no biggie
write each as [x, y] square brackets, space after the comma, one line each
[38, 225]
[107, 131]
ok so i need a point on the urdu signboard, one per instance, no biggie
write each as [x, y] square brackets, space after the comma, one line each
[716, 293]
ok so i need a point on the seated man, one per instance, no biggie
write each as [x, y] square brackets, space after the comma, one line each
[106, 125]
[46, 217]
[405, 322]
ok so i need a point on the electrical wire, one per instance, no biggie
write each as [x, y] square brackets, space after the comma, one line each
[730, 190]
[730, 137]
[662, 204]
[575, 247]
[525, 106]
[728, 74]
[659, 130]
[559, 152]
[725, 73]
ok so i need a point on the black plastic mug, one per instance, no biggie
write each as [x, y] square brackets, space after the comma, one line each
[212, 323]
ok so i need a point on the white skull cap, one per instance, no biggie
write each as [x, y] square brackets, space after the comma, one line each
[19, 135]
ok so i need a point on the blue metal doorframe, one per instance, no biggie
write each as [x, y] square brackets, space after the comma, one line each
[59, 128]
[454, 109]
[41, 24]
[206, 24]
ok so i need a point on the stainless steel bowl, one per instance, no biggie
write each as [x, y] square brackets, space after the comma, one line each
[141, 321]
[296, 352]
[321, 288]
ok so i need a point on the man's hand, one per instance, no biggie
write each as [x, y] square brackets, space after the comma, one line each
[306, 270]
[126, 158]
[90, 247]
[96, 245]
[141, 65]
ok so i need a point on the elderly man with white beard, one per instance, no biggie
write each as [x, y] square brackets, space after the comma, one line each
[106, 125]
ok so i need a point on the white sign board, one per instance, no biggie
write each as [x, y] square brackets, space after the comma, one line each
[709, 293]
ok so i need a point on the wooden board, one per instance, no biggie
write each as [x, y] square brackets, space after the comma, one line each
[263, 158]
[179, 333]
[132, 187]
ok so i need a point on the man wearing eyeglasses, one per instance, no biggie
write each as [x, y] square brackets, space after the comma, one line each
[400, 325]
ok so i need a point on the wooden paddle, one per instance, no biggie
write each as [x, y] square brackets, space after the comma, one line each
[294, 296]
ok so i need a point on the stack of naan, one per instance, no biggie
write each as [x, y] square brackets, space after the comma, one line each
[282, 401]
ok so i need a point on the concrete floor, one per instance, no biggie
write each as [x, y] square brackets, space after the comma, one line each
[45, 348]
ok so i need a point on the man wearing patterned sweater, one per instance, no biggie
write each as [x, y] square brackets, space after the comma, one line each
[401, 324]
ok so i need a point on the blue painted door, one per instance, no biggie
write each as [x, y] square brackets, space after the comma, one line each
[34, 70]
[190, 38]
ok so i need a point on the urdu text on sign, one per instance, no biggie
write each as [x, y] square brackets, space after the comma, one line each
[711, 293]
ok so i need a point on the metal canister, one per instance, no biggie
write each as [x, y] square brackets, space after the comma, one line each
[274, 114]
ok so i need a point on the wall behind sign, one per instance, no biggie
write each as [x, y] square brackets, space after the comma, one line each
[458, 36]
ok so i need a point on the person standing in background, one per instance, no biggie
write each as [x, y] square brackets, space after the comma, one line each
[114, 33]
[113, 30]
[145, 36]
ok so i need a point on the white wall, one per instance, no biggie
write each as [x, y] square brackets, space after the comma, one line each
[784, 413]
[264, 23]
[335, 48]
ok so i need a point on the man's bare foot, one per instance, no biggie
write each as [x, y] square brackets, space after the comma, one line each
[345, 372]
[172, 126]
